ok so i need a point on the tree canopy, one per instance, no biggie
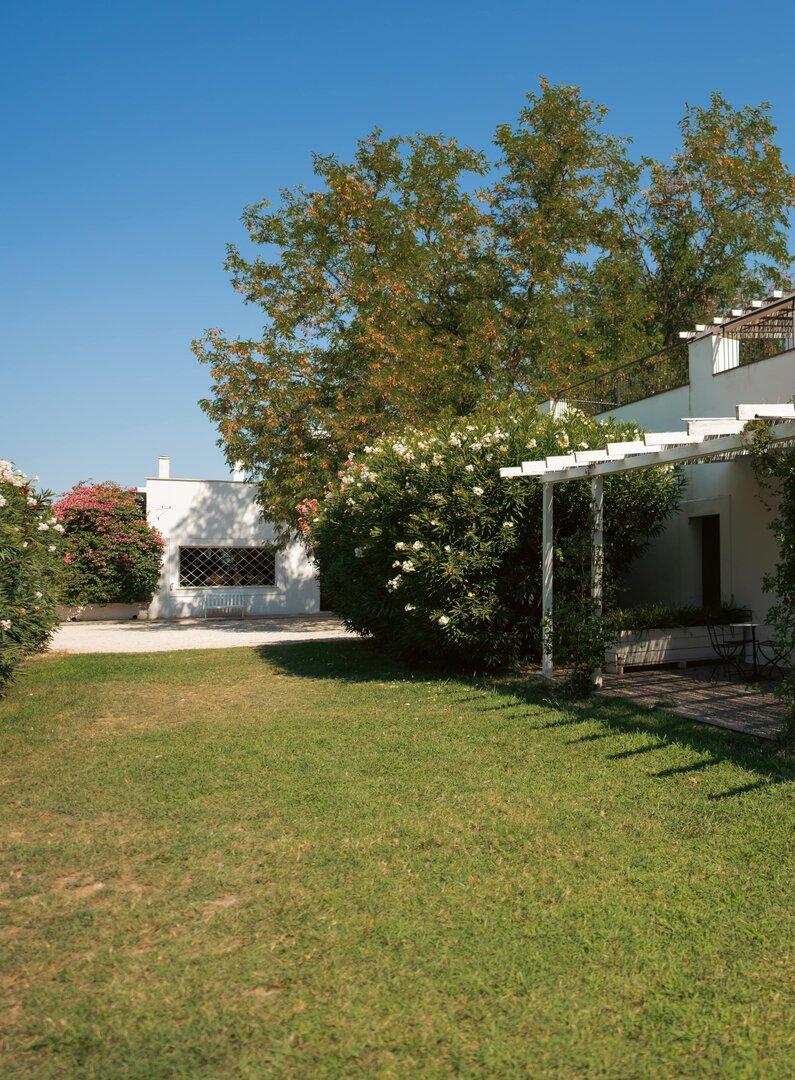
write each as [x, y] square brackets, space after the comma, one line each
[424, 278]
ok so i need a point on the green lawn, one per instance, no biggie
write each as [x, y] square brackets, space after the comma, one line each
[304, 861]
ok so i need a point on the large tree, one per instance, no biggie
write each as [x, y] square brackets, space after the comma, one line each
[396, 291]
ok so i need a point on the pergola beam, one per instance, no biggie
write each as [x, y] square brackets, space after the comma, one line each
[703, 450]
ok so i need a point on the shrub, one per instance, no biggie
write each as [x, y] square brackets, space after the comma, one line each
[661, 617]
[29, 555]
[112, 555]
[775, 470]
[422, 544]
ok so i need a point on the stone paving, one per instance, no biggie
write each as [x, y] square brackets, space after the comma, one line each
[132, 636]
[746, 707]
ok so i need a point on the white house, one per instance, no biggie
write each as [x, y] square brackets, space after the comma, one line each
[694, 401]
[220, 556]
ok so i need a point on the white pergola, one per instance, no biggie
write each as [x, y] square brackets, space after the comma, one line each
[705, 439]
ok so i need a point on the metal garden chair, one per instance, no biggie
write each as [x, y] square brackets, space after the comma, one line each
[729, 649]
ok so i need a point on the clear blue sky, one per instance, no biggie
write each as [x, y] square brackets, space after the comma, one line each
[134, 134]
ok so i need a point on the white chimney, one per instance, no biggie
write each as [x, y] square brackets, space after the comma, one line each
[238, 472]
[163, 467]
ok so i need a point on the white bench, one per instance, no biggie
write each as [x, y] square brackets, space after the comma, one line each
[225, 603]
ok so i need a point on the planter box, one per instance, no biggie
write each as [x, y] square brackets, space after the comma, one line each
[639, 648]
[100, 612]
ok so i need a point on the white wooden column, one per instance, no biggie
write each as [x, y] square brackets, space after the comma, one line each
[547, 553]
[597, 553]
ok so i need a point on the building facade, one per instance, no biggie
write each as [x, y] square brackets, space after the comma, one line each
[719, 545]
[220, 556]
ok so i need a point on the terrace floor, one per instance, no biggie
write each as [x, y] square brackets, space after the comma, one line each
[748, 708]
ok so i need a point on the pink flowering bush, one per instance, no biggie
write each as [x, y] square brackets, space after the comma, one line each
[112, 554]
[423, 545]
[30, 543]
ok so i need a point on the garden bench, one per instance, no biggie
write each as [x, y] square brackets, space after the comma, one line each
[225, 603]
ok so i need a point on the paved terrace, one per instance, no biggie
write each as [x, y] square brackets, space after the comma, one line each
[748, 708]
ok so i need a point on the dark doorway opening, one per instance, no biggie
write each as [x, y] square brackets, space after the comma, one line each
[710, 560]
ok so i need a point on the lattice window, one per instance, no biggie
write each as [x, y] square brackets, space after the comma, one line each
[226, 567]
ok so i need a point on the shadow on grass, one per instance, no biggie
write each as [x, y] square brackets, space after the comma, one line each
[356, 661]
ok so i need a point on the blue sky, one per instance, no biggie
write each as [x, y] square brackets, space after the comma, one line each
[134, 134]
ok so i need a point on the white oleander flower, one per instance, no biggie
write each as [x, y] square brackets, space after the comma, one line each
[400, 546]
[32, 500]
[59, 527]
[43, 526]
[477, 490]
[418, 545]
[358, 552]
[50, 548]
[5, 624]
[469, 468]
[2, 501]
[394, 582]
[408, 566]
[38, 595]
[409, 607]
[507, 525]
[443, 620]
[447, 548]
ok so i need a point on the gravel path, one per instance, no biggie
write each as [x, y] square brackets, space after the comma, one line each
[132, 636]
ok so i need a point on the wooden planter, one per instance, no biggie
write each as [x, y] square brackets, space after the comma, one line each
[640, 648]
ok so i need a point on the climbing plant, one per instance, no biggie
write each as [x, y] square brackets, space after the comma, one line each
[775, 471]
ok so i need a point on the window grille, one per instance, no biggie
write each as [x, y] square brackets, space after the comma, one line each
[226, 567]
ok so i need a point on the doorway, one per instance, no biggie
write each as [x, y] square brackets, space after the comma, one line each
[710, 560]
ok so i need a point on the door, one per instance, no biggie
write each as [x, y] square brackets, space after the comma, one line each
[710, 560]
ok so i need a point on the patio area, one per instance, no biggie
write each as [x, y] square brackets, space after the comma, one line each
[749, 708]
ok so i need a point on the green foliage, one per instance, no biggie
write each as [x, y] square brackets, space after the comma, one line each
[30, 544]
[422, 544]
[112, 554]
[393, 295]
[775, 470]
[660, 616]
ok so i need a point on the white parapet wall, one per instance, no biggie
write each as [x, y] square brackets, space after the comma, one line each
[223, 514]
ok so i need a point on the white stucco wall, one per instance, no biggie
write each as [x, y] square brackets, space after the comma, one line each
[223, 513]
[669, 572]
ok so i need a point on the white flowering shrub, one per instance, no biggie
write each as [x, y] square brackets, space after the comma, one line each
[30, 557]
[424, 546]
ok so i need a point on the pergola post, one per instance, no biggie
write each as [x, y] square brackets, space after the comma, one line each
[597, 554]
[547, 552]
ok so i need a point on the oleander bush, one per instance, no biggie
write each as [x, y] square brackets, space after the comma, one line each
[113, 554]
[425, 547]
[30, 542]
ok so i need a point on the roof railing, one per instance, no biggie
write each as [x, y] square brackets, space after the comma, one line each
[655, 373]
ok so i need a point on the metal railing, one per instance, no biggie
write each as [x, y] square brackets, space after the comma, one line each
[666, 369]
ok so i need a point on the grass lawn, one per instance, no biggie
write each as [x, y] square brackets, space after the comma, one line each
[303, 861]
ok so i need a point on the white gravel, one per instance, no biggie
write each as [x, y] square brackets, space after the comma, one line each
[131, 636]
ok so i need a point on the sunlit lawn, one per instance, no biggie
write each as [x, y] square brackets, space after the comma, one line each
[304, 861]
